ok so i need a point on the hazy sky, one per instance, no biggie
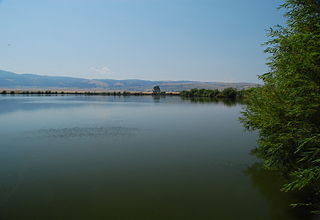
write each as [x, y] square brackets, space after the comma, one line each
[205, 40]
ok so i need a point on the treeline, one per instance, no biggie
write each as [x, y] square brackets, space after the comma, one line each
[227, 93]
[89, 93]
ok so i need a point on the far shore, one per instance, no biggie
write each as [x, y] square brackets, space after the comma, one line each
[80, 92]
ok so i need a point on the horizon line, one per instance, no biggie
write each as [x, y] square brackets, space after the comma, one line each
[78, 77]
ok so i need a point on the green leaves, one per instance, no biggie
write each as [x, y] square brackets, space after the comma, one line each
[229, 93]
[302, 179]
[286, 110]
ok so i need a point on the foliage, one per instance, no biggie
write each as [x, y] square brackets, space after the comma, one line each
[229, 93]
[286, 110]
[156, 90]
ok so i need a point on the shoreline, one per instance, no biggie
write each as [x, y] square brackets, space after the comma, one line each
[82, 92]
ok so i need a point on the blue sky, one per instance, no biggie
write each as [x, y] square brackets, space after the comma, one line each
[204, 40]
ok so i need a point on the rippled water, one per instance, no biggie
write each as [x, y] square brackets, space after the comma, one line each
[81, 157]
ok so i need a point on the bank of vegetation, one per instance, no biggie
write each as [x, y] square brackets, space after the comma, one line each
[286, 110]
[227, 93]
[83, 92]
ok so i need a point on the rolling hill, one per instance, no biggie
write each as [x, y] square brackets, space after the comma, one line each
[10, 80]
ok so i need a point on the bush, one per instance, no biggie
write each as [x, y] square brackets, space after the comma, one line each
[286, 110]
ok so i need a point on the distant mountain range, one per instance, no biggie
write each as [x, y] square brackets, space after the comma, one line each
[10, 80]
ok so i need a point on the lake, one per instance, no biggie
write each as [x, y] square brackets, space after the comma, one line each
[105, 157]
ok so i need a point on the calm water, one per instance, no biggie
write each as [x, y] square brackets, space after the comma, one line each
[78, 157]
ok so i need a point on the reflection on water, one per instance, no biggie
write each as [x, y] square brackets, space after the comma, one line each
[269, 184]
[87, 132]
[105, 157]
[226, 102]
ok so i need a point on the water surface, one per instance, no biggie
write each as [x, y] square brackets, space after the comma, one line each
[105, 157]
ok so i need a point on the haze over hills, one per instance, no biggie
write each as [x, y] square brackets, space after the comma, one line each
[10, 80]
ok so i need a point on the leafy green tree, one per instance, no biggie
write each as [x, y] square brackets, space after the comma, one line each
[230, 93]
[286, 110]
[156, 90]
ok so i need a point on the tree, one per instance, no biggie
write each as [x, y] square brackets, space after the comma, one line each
[286, 110]
[230, 93]
[156, 90]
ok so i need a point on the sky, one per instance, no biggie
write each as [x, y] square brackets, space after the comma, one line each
[202, 40]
